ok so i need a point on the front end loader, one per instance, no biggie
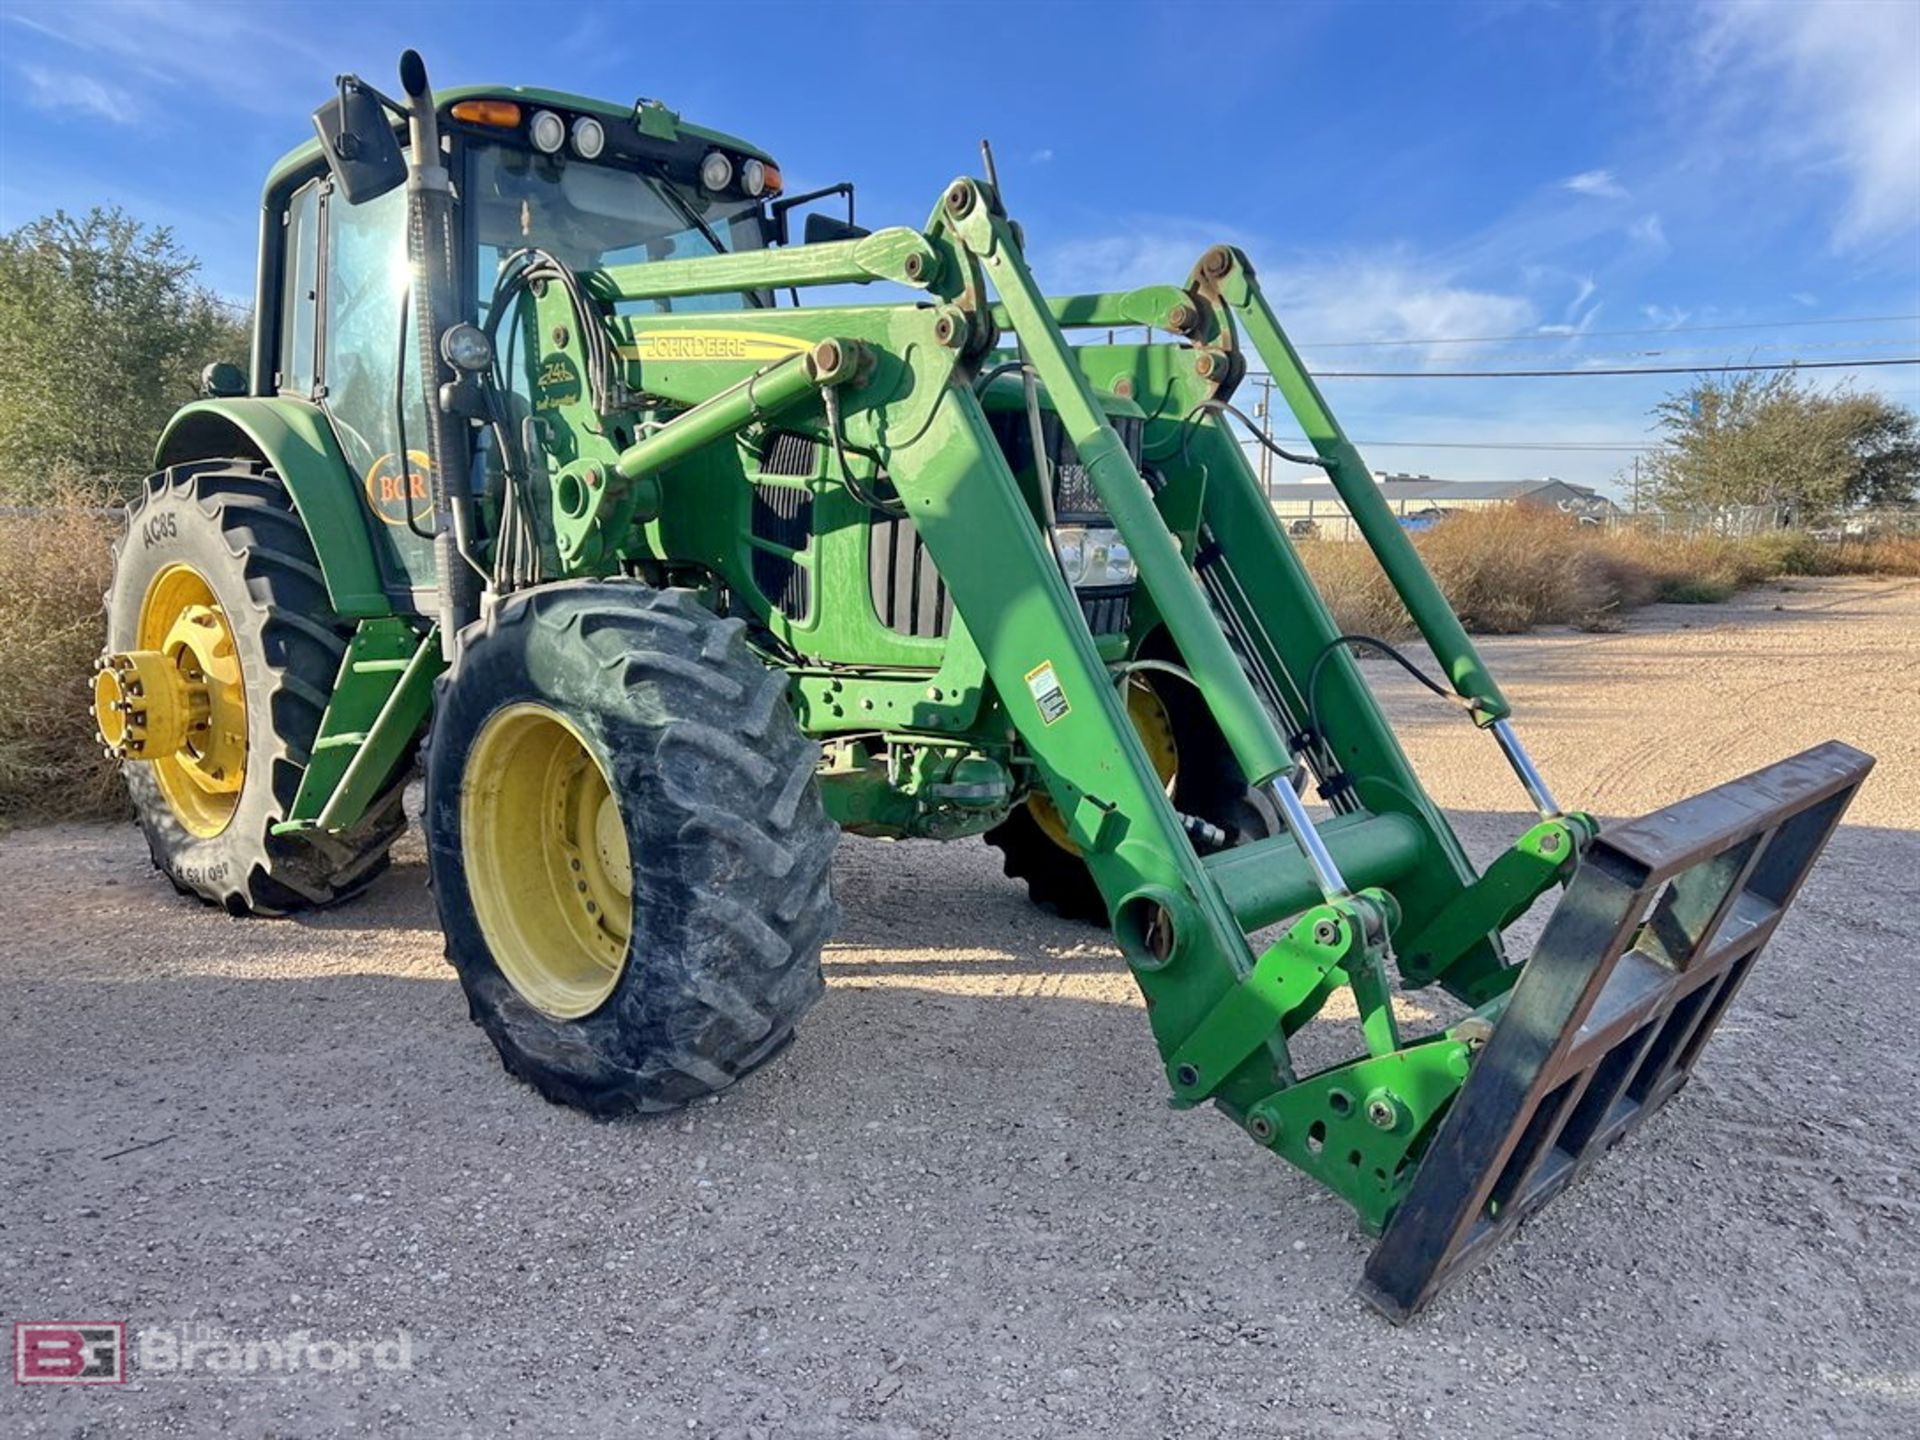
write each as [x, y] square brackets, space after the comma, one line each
[543, 457]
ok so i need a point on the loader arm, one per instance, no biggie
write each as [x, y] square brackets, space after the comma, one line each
[1657, 932]
[1221, 581]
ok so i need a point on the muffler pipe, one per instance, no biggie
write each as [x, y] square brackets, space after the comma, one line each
[430, 255]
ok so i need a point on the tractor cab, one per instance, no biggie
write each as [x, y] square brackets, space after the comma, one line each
[591, 183]
[552, 179]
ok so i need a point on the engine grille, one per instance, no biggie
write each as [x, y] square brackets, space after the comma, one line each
[908, 594]
[1108, 609]
[783, 515]
[1074, 499]
[910, 598]
[784, 453]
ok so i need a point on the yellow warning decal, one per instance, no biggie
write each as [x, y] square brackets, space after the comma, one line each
[747, 345]
[1044, 686]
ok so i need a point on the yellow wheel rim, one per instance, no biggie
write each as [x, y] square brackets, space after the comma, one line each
[183, 633]
[1150, 722]
[547, 863]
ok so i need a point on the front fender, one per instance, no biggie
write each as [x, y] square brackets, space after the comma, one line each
[294, 438]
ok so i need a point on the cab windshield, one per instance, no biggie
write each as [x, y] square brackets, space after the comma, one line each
[590, 216]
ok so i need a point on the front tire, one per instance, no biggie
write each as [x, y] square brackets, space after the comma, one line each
[627, 845]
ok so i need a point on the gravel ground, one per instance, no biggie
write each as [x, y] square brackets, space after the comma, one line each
[957, 1205]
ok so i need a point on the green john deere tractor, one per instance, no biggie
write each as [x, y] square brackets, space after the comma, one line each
[542, 458]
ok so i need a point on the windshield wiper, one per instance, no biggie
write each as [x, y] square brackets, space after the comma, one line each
[692, 217]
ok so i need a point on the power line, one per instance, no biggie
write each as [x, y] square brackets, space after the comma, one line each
[1861, 364]
[1580, 446]
[1723, 352]
[1542, 335]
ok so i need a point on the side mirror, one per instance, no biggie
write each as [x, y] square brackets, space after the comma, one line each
[822, 229]
[359, 142]
[221, 380]
[819, 228]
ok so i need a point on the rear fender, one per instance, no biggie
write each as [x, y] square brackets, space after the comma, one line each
[294, 439]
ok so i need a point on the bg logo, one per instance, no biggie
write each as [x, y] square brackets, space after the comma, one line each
[69, 1352]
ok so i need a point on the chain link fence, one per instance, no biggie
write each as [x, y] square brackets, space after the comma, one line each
[1328, 520]
[1735, 522]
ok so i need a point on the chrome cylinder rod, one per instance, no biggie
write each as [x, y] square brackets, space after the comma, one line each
[1326, 873]
[1522, 763]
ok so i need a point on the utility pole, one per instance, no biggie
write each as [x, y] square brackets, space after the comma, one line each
[1265, 414]
[1636, 484]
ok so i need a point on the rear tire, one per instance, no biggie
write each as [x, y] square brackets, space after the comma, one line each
[727, 847]
[1207, 784]
[232, 523]
[1057, 880]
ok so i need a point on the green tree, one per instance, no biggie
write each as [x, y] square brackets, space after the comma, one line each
[1778, 440]
[104, 330]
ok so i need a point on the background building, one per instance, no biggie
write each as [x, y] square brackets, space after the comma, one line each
[1420, 499]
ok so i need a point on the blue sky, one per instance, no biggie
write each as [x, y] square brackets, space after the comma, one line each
[1408, 174]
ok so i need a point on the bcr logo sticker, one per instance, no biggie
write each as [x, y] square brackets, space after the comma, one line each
[69, 1352]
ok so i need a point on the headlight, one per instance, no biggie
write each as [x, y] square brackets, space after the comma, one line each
[753, 178]
[1071, 546]
[716, 170]
[1092, 557]
[547, 131]
[589, 138]
[466, 347]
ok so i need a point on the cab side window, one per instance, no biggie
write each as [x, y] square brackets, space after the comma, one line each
[298, 290]
[368, 324]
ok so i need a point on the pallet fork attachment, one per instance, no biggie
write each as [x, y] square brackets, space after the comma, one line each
[1652, 940]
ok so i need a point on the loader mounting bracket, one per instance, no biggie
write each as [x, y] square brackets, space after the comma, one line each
[1447, 948]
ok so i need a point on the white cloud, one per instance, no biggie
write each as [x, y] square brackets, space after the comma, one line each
[1578, 315]
[64, 92]
[136, 47]
[1828, 90]
[1388, 294]
[1598, 183]
[1040, 157]
[1393, 296]
[1667, 316]
[1648, 232]
[1148, 250]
